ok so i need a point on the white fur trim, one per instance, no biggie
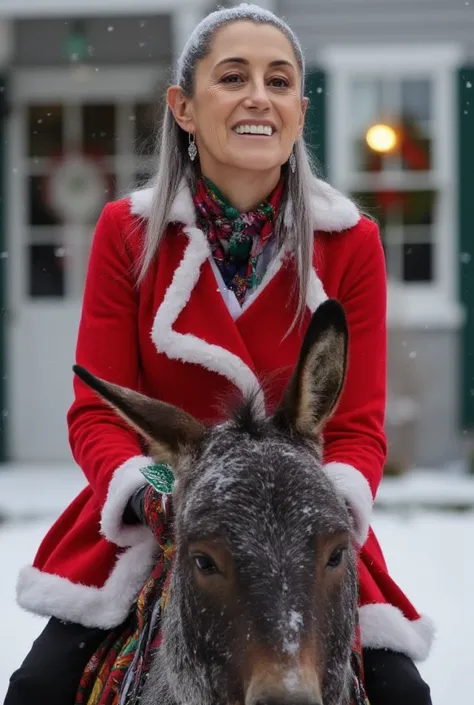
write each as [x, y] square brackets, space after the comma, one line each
[107, 607]
[384, 626]
[331, 210]
[315, 294]
[125, 481]
[182, 209]
[188, 347]
[355, 489]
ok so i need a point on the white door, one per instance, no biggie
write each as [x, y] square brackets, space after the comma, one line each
[58, 117]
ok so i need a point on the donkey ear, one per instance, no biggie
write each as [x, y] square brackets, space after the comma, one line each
[166, 428]
[318, 379]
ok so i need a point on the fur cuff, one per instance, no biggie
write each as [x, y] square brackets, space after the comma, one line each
[384, 626]
[355, 489]
[106, 607]
[126, 479]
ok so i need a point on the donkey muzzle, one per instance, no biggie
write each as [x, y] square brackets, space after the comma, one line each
[288, 699]
[284, 687]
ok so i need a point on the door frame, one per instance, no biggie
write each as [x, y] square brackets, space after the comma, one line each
[126, 83]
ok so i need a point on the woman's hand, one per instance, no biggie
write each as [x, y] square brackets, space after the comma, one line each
[145, 507]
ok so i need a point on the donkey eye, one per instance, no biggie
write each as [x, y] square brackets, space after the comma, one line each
[335, 558]
[205, 564]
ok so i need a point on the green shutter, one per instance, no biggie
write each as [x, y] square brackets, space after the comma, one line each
[3, 270]
[466, 237]
[315, 128]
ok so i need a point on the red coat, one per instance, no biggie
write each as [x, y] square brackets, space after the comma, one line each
[174, 338]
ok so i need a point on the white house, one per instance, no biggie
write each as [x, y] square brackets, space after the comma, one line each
[80, 87]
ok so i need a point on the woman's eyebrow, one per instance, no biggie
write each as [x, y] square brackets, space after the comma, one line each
[245, 62]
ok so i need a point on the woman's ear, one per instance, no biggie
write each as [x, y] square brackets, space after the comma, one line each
[180, 106]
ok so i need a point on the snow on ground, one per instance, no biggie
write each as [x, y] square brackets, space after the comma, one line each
[429, 553]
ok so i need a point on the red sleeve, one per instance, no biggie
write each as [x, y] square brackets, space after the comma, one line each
[355, 441]
[106, 449]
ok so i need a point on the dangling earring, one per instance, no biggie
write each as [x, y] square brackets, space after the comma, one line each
[292, 162]
[192, 149]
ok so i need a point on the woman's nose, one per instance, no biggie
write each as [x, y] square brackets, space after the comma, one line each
[258, 96]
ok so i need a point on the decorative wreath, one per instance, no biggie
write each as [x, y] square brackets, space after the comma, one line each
[77, 187]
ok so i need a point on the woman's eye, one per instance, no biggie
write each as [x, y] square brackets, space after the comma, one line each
[231, 78]
[335, 558]
[279, 82]
[205, 564]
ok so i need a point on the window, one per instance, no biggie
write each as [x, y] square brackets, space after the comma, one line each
[391, 148]
[391, 136]
[119, 136]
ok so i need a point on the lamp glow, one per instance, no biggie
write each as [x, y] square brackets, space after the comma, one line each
[381, 138]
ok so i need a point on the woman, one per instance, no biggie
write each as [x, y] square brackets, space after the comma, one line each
[199, 287]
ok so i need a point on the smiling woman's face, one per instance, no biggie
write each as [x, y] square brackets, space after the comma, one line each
[247, 110]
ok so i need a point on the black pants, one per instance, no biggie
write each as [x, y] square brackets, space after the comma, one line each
[393, 679]
[51, 672]
[53, 668]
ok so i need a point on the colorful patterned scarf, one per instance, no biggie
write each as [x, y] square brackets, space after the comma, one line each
[237, 239]
[116, 673]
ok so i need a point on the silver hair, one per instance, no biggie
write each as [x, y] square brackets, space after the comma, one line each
[294, 226]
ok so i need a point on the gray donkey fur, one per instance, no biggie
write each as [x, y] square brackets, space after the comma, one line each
[263, 596]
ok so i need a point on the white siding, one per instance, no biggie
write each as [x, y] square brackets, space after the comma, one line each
[322, 22]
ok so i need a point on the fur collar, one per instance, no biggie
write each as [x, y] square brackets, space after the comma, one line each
[332, 211]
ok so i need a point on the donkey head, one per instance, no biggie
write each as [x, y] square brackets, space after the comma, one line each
[264, 589]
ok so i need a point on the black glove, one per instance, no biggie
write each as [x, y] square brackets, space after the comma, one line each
[134, 513]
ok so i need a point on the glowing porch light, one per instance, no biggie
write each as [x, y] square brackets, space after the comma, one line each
[381, 138]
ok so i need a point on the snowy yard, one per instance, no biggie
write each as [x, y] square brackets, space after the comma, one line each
[429, 553]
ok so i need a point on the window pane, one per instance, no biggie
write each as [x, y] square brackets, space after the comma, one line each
[406, 222]
[39, 211]
[46, 275]
[417, 262]
[418, 207]
[417, 100]
[415, 147]
[372, 203]
[397, 207]
[405, 106]
[99, 131]
[45, 130]
[366, 103]
[372, 102]
[366, 159]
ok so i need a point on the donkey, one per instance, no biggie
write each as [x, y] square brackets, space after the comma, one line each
[263, 595]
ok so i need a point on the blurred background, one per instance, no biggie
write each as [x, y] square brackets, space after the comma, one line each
[391, 122]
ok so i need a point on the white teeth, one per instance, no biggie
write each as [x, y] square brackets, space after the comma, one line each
[254, 130]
